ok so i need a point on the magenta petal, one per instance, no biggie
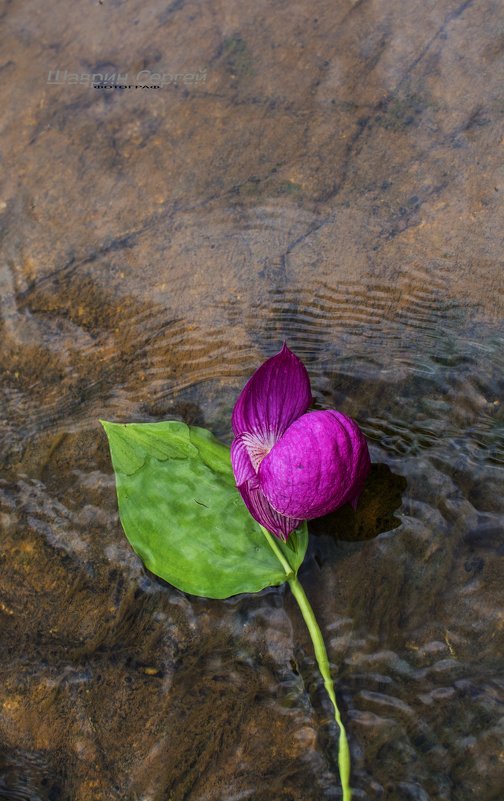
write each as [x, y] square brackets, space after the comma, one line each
[240, 460]
[319, 464]
[263, 512]
[276, 395]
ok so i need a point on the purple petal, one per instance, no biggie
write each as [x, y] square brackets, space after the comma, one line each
[318, 465]
[243, 468]
[262, 511]
[276, 395]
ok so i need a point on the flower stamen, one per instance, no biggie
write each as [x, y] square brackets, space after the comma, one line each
[258, 447]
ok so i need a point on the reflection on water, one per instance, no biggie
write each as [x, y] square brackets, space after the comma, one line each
[333, 183]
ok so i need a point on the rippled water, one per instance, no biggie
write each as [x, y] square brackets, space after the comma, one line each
[333, 184]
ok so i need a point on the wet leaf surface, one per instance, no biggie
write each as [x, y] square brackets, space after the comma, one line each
[183, 515]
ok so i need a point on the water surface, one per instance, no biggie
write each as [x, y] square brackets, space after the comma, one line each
[333, 182]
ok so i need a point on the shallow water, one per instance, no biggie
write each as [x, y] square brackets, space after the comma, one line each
[334, 182]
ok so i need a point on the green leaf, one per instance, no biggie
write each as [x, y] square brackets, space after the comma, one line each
[183, 515]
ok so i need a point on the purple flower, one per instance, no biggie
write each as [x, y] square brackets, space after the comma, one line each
[290, 465]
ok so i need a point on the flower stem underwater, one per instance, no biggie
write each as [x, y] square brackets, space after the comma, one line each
[322, 661]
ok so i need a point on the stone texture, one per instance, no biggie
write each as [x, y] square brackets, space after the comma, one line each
[337, 181]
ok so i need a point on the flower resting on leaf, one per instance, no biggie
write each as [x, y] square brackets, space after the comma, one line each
[292, 465]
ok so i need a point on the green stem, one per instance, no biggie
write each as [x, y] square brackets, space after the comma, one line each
[278, 553]
[323, 663]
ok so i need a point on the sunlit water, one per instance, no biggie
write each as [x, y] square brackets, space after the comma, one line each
[207, 228]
